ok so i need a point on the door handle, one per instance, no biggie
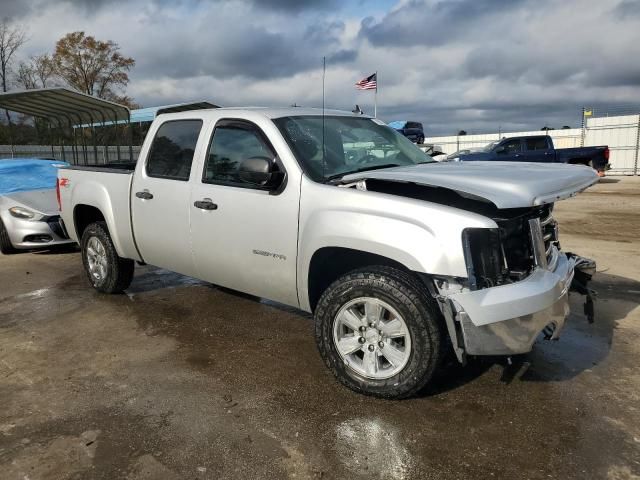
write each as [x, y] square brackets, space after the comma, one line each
[144, 195]
[205, 205]
[517, 155]
[547, 153]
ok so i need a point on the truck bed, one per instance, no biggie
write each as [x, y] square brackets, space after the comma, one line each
[596, 155]
[99, 189]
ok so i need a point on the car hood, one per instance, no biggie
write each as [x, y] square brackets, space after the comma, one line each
[505, 184]
[43, 201]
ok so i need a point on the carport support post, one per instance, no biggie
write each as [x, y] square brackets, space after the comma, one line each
[84, 146]
[61, 133]
[130, 126]
[53, 153]
[95, 144]
[73, 148]
[10, 129]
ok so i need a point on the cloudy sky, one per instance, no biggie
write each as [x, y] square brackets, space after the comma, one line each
[452, 64]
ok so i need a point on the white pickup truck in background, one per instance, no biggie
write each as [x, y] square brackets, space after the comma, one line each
[400, 258]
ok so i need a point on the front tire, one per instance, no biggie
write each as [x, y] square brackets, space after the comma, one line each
[6, 246]
[379, 332]
[106, 271]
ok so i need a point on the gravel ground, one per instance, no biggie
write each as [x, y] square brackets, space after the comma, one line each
[181, 379]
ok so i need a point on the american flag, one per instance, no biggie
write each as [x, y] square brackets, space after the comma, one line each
[368, 83]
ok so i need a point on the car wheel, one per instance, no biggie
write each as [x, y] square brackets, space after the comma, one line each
[379, 332]
[107, 272]
[420, 140]
[6, 247]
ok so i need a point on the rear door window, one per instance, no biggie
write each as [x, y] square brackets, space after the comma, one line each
[173, 148]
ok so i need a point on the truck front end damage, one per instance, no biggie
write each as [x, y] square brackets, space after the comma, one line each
[517, 278]
[517, 286]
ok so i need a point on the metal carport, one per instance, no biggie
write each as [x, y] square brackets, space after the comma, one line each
[69, 108]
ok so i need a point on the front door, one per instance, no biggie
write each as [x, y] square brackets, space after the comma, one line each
[244, 236]
[510, 150]
[536, 149]
[160, 197]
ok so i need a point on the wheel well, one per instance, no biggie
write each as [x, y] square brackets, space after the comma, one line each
[85, 215]
[330, 263]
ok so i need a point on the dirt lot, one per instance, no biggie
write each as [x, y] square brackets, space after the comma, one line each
[180, 379]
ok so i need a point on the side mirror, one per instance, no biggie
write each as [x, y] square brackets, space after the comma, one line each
[501, 150]
[257, 171]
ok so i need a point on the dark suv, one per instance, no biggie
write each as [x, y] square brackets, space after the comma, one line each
[412, 130]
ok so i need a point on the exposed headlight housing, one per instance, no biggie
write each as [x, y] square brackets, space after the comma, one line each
[484, 258]
[21, 212]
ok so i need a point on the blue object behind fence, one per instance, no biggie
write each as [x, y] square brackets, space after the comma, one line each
[21, 175]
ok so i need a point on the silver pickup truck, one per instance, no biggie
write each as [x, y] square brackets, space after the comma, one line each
[402, 260]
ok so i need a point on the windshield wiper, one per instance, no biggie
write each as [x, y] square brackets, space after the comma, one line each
[364, 169]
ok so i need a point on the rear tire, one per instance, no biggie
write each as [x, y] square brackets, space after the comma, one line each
[413, 358]
[6, 246]
[106, 271]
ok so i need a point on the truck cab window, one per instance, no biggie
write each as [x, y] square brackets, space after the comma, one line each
[539, 143]
[230, 145]
[172, 150]
[512, 146]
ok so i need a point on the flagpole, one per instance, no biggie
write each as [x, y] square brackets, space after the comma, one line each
[375, 99]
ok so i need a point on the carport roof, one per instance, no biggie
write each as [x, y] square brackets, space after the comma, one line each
[64, 105]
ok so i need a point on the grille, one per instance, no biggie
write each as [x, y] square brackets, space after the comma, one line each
[54, 225]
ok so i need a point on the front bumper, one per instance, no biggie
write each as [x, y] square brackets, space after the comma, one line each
[28, 234]
[507, 320]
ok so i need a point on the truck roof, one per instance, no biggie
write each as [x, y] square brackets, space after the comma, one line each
[270, 112]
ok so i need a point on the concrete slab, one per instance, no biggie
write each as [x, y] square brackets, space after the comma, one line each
[180, 379]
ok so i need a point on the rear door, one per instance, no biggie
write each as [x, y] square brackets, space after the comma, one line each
[161, 192]
[510, 150]
[538, 149]
[246, 239]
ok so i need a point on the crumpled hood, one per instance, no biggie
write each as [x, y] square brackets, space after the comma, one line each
[505, 184]
[41, 201]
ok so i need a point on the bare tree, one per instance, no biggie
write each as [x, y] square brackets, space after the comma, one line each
[37, 72]
[26, 76]
[11, 39]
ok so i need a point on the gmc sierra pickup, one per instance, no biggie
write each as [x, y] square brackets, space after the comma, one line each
[401, 259]
[538, 148]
